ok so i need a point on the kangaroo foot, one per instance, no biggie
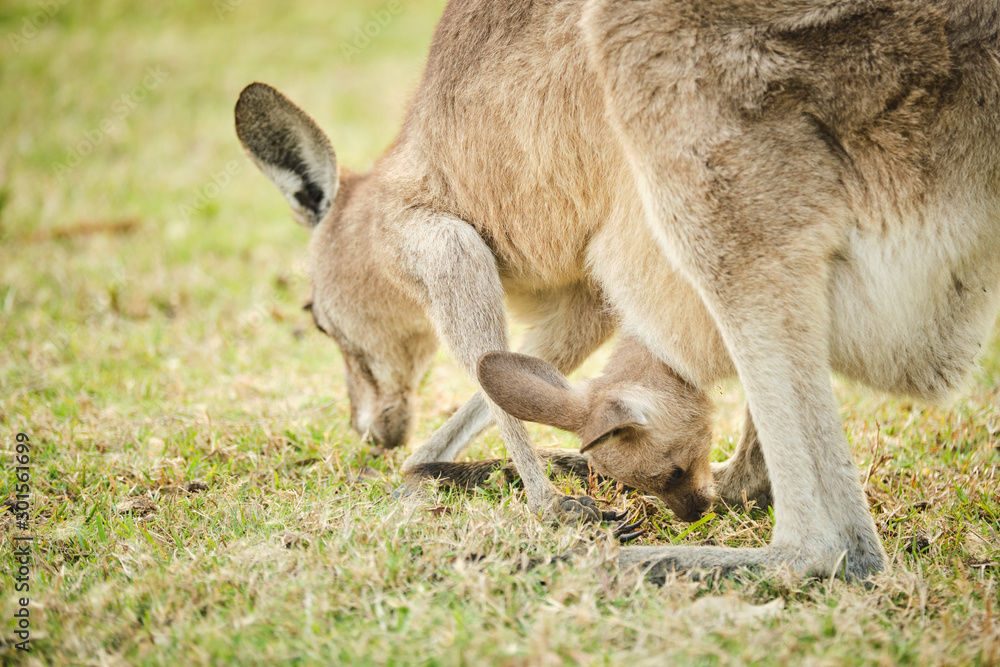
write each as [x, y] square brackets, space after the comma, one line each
[857, 564]
[584, 509]
[570, 509]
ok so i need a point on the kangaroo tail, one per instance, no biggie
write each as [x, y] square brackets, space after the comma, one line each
[471, 474]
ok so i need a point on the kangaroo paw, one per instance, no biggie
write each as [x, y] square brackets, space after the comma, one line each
[583, 509]
[738, 486]
[570, 509]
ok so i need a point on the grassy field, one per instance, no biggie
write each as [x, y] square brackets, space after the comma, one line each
[197, 494]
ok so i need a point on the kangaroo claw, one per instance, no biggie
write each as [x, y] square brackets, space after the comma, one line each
[627, 528]
[611, 515]
[584, 509]
[626, 532]
[629, 537]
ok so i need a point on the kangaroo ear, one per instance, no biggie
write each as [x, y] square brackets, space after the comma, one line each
[288, 146]
[530, 389]
[612, 416]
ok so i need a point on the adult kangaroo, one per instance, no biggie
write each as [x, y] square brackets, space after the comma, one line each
[772, 190]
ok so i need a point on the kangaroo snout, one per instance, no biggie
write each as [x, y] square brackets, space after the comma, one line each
[391, 428]
[690, 506]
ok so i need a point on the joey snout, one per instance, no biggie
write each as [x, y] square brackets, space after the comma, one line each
[685, 486]
[690, 496]
[689, 505]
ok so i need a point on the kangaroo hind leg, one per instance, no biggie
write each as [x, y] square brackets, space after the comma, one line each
[751, 211]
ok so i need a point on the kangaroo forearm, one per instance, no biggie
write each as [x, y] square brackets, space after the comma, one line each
[457, 433]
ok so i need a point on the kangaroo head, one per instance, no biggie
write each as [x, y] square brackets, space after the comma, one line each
[640, 423]
[383, 335]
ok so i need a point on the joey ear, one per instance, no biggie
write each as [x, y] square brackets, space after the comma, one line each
[290, 148]
[614, 414]
[530, 389]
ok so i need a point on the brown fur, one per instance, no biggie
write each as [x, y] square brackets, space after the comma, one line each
[639, 422]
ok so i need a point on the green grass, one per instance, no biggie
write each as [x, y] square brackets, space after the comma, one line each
[172, 350]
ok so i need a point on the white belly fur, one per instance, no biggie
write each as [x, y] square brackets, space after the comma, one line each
[913, 307]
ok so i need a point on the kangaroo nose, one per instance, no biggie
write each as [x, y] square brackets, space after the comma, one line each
[694, 506]
[690, 515]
